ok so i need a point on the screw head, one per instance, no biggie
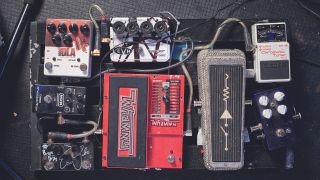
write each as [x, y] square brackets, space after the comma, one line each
[171, 158]
[280, 132]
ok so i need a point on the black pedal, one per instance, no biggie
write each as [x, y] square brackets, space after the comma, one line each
[67, 156]
[53, 99]
[221, 75]
[275, 113]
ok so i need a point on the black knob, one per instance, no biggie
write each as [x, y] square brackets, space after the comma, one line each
[67, 40]
[62, 28]
[51, 27]
[84, 28]
[119, 27]
[68, 101]
[160, 27]
[69, 91]
[56, 39]
[67, 109]
[146, 27]
[79, 96]
[73, 28]
[132, 28]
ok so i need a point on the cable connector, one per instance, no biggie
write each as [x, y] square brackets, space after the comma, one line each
[57, 135]
[188, 131]
[60, 119]
[95, 52]
[105, 30]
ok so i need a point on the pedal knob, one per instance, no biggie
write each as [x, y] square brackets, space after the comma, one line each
[48, 65]
[67, 40]
[146, 27]
[51, 27]
[67, 109]
[119, 27]
[68, 100]
[69, 91]
[267, 113]
[73, 28]
[132, 28]
[79, 96]
[282, 109]
[280, 132]
[62, 28]
[160, 27]
[83, 67]
[263, 100]
[47, 99]
[279, 96]
[56, 39]
[84, 28]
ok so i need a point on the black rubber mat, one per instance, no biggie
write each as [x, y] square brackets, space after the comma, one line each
[14, 112]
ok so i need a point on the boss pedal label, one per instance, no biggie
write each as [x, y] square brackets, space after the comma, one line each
[127, 122]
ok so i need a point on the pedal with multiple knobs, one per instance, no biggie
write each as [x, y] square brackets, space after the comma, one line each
[67, 48]
[275, 116]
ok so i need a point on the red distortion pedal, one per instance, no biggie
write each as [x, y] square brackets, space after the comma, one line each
[67, 48]
[143, 121]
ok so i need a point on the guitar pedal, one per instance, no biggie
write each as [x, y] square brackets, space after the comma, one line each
[53, 99]
[221, 76]
[141, 39]
[275, 115]
[67, 48]
[143, 121]
[271, 56]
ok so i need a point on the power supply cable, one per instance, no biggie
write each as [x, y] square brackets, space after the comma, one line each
[96, 50]
[63, 135]
[247, 39]
[238, 4]
[188, 129]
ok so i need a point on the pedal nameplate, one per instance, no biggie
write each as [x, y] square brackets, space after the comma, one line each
[221, 89]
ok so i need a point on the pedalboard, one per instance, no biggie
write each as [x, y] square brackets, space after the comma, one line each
[54, 99]
[67, 48]
[143, 121]
[275, 113]
[221, 76]
[140, 39]
[272, 55]
[67, 156]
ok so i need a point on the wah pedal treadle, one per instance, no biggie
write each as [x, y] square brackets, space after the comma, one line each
[221, 76]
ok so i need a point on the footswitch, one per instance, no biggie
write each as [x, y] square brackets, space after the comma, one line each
[67, 48]
[275, 114]
[67, 156]
[272, 56]
[221, 75]
[54, 99]
[140, 39]
[143, 121]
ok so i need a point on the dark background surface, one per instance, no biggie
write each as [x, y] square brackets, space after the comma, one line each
[305, 39]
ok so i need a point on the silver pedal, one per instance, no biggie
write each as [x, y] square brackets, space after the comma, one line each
[221, 76]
